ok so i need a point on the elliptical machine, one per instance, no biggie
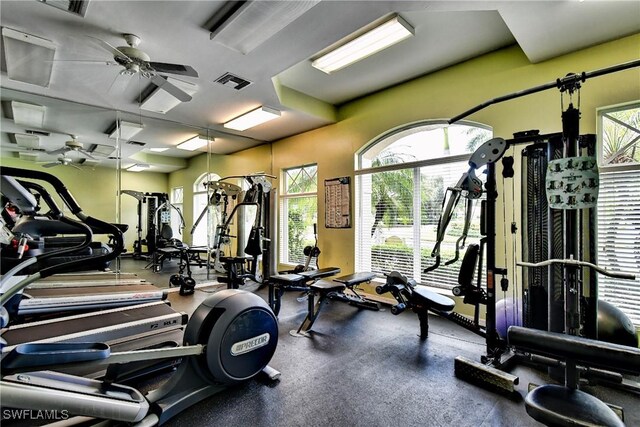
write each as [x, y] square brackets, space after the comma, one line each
[230, 338]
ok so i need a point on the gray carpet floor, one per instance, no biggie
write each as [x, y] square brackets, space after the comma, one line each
[367, 368]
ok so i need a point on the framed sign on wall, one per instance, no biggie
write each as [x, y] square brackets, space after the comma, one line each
[337, 197]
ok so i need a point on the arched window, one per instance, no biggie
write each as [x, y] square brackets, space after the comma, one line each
[401, 180]
[207, 225]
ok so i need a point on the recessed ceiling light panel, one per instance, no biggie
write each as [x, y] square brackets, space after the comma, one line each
[253, 118]
[28, 58]
[30, 115]
[161, 101]
[194, 143]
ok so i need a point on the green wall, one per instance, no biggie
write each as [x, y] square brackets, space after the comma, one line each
[450, 92]
[96, 191]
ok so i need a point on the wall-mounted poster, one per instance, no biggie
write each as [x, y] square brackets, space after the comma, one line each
[337, 198]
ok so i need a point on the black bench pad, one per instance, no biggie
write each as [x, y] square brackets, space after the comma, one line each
[355, 279]
[326, 286]
[286, 278]
[558, 405]
[600, 354]
[318, 274]
[433, 300]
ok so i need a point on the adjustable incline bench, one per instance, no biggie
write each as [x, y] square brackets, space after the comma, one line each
[280, 283]
[566, 405]
[334, 290]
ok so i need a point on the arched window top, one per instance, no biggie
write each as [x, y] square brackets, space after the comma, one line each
[424, 140]
[198, 185]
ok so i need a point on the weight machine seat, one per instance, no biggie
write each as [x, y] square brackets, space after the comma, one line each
[556, 405]
[286, 279]
[320, 273]
[325, 286]
[355, 279]
[235, 259]
[424, 296]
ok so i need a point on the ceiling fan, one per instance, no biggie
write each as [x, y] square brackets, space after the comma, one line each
[72, 145]
[135, 61]
[62, 161]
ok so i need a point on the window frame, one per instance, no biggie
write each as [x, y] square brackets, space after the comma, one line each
[613, 169]
[388, 138]
[284, 198]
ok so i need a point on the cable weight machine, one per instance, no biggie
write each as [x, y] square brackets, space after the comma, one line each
[570, 189]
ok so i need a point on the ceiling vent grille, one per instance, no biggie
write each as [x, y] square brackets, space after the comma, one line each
[37, 132]
[138, 143]
[77, 7]
[232, 81]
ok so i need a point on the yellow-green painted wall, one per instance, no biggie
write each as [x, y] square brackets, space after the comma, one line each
[449, 92]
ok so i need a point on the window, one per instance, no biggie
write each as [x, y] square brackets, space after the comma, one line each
[206, 227]
[298, 212]
[401, 180]
[177, 199]
[619, 206]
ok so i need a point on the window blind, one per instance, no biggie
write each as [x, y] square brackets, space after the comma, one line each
[619, 239]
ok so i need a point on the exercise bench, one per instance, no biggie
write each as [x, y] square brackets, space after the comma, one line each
[334, 290]
[281, 283]
[566, 405]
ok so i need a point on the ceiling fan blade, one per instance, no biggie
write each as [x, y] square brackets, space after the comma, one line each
[183, 70]
[173, 90]
[85, 61]
[58, 151]
[111, 49]
[50, 165]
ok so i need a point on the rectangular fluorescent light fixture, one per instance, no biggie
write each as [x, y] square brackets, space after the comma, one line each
[253, 118]
[30, 115]
[28, 58]
[160, 101]
[127, 130]
[138, 167]
[27, 141]
[194, 143]
[158, 150]
[373, 41]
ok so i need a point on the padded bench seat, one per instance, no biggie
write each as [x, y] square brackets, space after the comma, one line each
[327, 286]
[432, 299]
[560, 406]
[355, 279]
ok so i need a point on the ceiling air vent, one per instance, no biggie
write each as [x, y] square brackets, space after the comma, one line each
[77, 7]
[138, 143]
[37, 132]
[232, 81]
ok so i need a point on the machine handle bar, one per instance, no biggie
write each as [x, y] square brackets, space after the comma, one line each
[579, 264]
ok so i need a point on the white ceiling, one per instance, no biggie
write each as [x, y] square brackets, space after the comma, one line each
[82, 97]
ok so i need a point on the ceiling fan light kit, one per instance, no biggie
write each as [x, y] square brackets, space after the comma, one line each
[369, 43]
[29, 59]
[253, 118]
